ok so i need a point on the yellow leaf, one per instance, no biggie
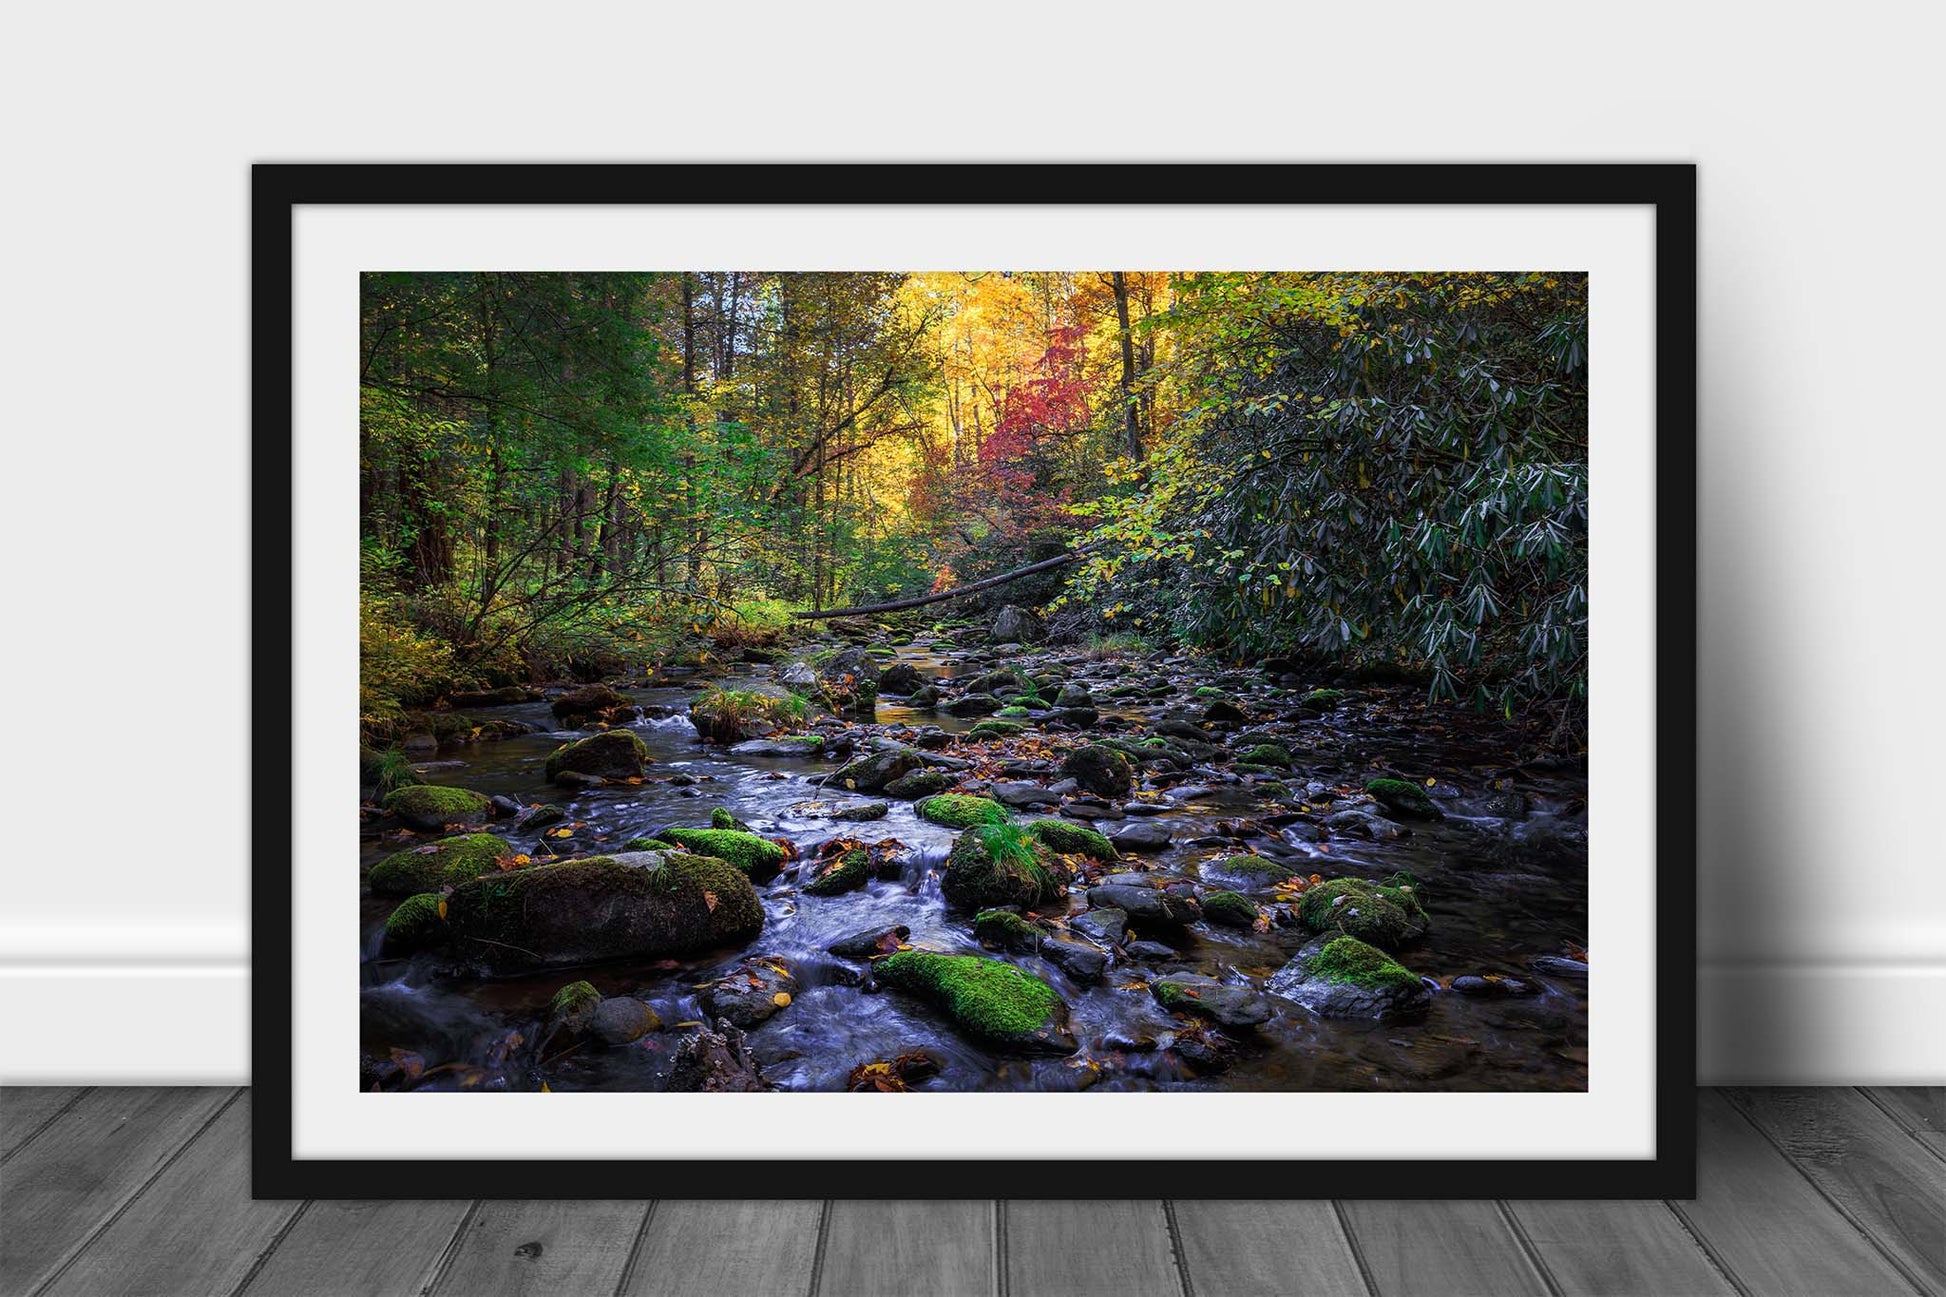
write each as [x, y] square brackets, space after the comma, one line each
[442, 907]
[781, 999]
[544, 1089]
[709, 899]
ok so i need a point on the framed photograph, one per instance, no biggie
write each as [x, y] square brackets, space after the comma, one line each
[863, 676]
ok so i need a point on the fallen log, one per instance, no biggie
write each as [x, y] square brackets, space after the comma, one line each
[973, 587]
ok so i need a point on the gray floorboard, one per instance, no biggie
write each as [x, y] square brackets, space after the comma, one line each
[1833, 1192]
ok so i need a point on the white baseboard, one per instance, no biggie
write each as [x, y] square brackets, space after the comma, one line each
[186, 1023]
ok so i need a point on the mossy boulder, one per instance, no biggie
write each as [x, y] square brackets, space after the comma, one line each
[639, 905]
[438, 865]
[844, 680]
[900, 678]
[961, 810]
[1006, 930]
[1069, 839]
[760, 858]
[1245, 873]
[992, 1001]
[1229, 909]
[991, 729]
[432, 807]
[996, 865]
[1100, 769]
[871, 774]
[1012, 713]
[1266, 754]
[1387, 915]
[1404, 799]
[1224, 712]
[1322, 698]
[1016, 625]
[920, 783]
[1343, 977]
[414, 925]
[731, 716]
[834, 875]
[614, 754]
[647, 844]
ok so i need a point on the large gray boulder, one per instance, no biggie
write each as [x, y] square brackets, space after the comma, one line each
[1016, 625]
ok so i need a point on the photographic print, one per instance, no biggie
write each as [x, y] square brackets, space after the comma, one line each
[994, 679]
[1195, 687]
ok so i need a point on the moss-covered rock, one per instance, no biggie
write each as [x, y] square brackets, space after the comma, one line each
[644, 905]
[845, 871]
[920, 783]
[414, 925]
[1006, 930]
[985, 998]
[573, 1008]
[1387, 915]
[1229, 909]
[1323, 698]
[432, 807]
[720, 818]
[1100, 769]
[437, 865]
[991, 729]
[614, 754]
[871, 774]
[1236, 1007]
[760, 858]
[996, 865]
[734, 715]
[961, 810]
[1000, 682]
[974, 705]
[1343, 977]
[1407, 800]
[647, 844]
[1245, 873]
[386, 771]
[1266, 754]
[1224, 712]
[1012, 713]
[1069, 839]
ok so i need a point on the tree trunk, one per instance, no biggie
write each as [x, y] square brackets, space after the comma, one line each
[1129, 403]
[899, 605]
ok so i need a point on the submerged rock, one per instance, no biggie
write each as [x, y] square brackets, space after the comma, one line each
[640, 905]
[985, 998]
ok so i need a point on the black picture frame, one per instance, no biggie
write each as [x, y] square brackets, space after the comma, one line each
[277, 189]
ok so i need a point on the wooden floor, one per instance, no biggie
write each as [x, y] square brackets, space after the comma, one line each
[1825, 1193]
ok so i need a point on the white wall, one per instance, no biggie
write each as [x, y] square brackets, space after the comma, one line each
[1822, 908]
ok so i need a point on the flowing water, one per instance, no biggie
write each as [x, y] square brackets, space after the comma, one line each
[1495, 908]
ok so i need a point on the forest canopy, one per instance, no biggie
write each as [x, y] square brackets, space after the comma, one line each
[572, 474]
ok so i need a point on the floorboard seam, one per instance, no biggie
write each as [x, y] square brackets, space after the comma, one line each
[1176, 1251]
[453, 1245]
[627, 1276]
[1897, 1120]
[1871, 1239]
[817, 1255]
[1357, 1252]
[276, 1241]
[107, 1222]
[52, 1117]
[1001, 1282]
[1528, 1250]
[1721, 1262]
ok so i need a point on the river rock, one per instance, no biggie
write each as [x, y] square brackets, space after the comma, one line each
[1404, 799]
[1387, 915]
[507, 696]
[1006, 930]
[987, 999]
[1081, 961]
[870, 774]
[754, 993]
[1016, 625]
[1105, 924]
[615, 754]
[1245, 873]
[1492, 986]
[1561, 966]
[539, 818]
[622, 1020]
[786, 745]
[1022, 873]
[1101, 770]
[429, 808]
[1140, 836]
[445, 863]
[900, 678]
[870, 943]
[919, 783]
[865, 811]
[1023, 793]
[644, 905]
[974, 705]
[1146, 907]
[1343, 977]
[577, 707]
[1230, 1006]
